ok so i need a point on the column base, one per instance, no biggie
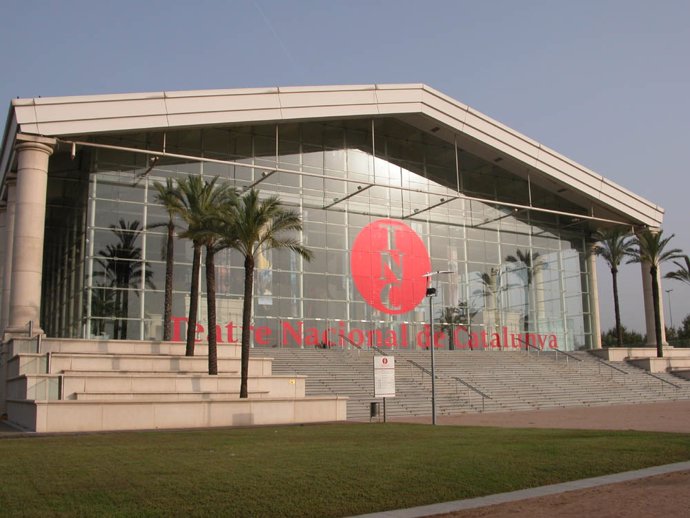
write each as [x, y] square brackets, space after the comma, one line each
[20, 332]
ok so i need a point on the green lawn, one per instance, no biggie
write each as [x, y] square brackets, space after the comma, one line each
[329, 470]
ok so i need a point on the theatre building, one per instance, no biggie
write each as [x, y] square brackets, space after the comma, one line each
[392, 181]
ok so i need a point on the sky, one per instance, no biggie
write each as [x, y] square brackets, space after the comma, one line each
[603, 82]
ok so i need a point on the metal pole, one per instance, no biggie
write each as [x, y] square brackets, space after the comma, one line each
[433, 373]
[431, 291]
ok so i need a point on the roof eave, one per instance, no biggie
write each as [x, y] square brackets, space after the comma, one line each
[64, 116]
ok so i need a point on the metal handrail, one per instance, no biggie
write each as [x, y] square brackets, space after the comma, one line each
[662, 380]
[471, 387]
[567, 355]
[427, 371]
[602, 362]
[456, 378]
[528, 345]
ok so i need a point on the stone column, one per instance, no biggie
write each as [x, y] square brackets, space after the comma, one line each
[3, 215]
[649, 306]
[593, 285]
[8, 241]
[29, 223]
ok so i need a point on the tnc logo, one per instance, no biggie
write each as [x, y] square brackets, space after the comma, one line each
[388, 262]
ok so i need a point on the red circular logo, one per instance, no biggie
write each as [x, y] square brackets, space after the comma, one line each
[388, 262]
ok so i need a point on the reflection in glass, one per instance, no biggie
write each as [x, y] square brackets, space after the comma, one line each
[121, 268]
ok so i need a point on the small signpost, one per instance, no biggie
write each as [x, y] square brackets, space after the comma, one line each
[384, 379]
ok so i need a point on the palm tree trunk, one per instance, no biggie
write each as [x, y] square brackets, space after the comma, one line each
[118, 314]
[125, 307]
[246, 321]
[167, 304]
[527, 307]
[125, 311]
[657, 314]
[616, 307]
[193, 301]
[211, 308]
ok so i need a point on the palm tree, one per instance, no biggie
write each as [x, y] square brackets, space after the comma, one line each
[198, 201]
[452, 316]
[258, 225]
[487, 290]
[614, 245]
[651, 250]
[166, 195]
[102, 305]
[123, 266]
[530, 264]
[682, 273]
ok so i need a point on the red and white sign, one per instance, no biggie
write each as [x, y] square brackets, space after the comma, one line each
[388, 263]
[384, 376]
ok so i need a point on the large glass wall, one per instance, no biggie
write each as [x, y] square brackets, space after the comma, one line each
[519, 275]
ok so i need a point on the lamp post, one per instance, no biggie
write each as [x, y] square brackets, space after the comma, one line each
[430, 292]
[670, 313]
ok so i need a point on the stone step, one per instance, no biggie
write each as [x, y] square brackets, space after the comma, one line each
[515, 381]
[66, 384]
[29, 363]
[74, 345]
[681, 373]
[166, 396]
[91, 416]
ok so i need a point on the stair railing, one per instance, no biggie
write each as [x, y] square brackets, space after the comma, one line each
[601, 362]
[663, 381]
[568, 356]
[456, 379]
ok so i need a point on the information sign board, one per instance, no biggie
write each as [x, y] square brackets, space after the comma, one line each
[384, 376]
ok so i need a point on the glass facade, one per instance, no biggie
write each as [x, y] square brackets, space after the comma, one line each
[518, 273]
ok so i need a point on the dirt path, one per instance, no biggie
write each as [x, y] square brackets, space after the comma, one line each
[659, 496]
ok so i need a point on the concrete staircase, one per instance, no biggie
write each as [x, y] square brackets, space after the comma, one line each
[88, 385]
[475, 381]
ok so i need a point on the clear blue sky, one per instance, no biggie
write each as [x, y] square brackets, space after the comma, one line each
[604, 82]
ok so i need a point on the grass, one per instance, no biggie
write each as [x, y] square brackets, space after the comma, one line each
[329, 470]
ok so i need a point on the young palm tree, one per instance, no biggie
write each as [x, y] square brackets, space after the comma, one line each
[651, 249]
[254, 225]
[530, 264]
[614, 245]
[166, 196]
[682, 273]
[198, 200]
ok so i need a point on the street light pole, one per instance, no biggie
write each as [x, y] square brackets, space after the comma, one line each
[431, 292]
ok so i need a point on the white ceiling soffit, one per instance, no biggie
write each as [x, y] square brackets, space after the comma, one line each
[64, 116]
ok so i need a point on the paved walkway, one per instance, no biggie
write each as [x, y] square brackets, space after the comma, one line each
[671, 416]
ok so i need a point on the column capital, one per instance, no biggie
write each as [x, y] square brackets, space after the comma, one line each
[34, 146]
[25, 138]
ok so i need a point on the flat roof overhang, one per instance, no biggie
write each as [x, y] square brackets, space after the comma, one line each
[416, 104]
